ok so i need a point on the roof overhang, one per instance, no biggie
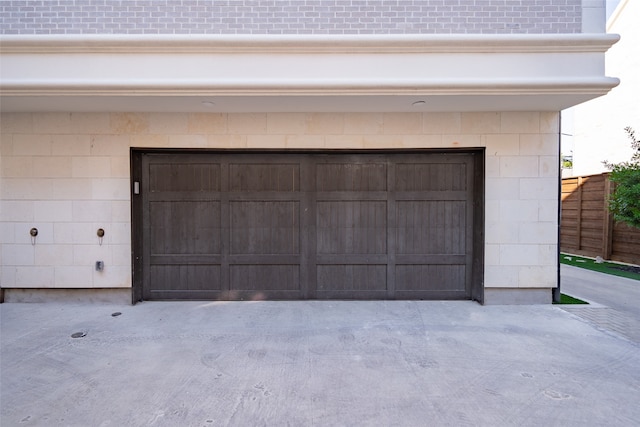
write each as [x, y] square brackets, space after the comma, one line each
[302, 73]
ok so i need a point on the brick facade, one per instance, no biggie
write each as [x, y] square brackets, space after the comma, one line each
[290, 17]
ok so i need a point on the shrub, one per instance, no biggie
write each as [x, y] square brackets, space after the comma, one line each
[624, 202]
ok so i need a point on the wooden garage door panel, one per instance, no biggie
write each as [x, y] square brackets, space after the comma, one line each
[247, 177]
[178, 278]
[184, 177]
[431, 227]
[431, 176]
[351, 227]
[265, 278]
[351, 176]
[352, 279]
[265, 227]
[185, 227]
[430, 278]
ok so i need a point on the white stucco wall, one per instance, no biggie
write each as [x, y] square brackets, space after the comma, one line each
[598, 125]
[68, 175]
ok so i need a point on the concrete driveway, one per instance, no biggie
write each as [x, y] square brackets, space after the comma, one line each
[313, 363]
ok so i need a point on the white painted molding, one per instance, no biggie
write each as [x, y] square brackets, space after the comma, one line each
[302, 44]
[534, 71]
[317, 87]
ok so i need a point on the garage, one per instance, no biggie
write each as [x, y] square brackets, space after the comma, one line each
[307, 225]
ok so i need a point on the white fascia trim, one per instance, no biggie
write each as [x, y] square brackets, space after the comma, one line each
[314, 66]
[190, 87]
[304, 44]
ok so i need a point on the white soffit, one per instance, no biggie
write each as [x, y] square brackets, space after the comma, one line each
[302, 73]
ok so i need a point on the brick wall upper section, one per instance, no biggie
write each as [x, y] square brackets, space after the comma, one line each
[290, 16]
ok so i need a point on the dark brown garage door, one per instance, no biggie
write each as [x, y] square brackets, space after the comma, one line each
[307, 226]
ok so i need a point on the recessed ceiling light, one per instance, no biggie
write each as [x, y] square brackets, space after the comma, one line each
[418, 103]
[208, 103]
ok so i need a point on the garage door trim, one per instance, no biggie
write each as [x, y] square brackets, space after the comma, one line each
[475, 238]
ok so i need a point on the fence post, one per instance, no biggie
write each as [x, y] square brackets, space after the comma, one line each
[607, 218]
[579, 215]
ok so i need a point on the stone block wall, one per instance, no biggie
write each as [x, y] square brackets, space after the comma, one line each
[67, 174]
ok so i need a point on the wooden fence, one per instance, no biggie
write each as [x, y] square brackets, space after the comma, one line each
[587, 228]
